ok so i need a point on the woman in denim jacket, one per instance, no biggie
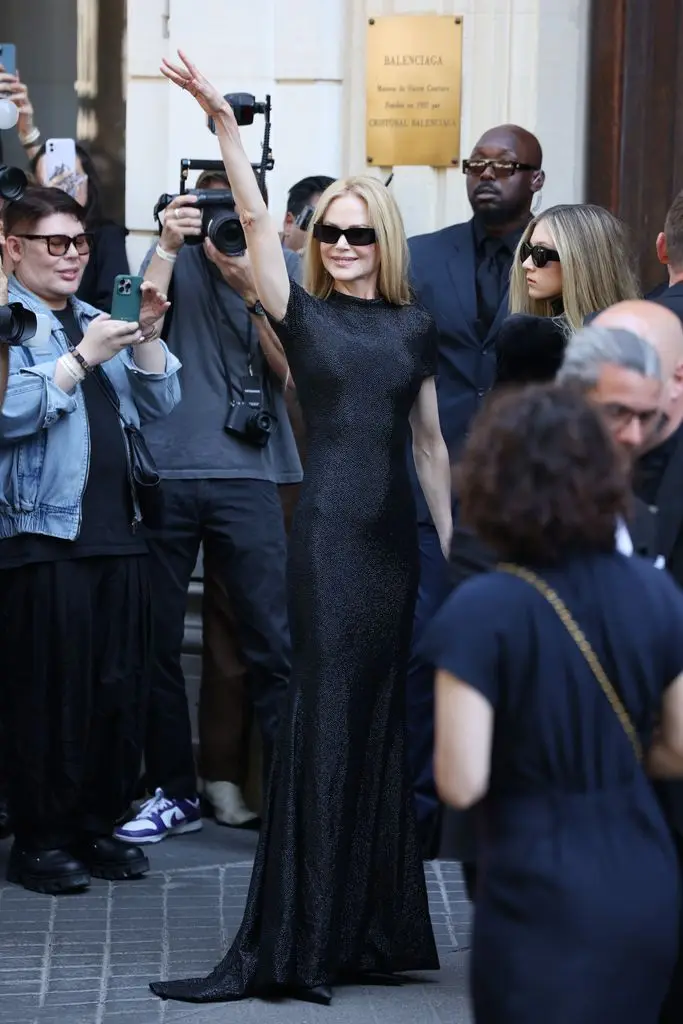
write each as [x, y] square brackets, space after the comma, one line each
[74, 598]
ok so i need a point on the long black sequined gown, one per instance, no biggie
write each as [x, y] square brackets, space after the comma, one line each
[338, 885]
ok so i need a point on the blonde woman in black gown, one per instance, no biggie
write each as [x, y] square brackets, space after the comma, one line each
[338, 891]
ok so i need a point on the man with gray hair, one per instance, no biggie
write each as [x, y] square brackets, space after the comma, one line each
[621, 373]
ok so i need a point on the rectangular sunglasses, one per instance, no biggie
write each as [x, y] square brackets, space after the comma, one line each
[330, 234]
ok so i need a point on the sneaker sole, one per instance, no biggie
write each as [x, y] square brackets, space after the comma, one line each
[113, 872]
[177, 830]
[55, 886]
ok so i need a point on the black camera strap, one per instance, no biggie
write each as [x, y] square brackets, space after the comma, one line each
[223, 315]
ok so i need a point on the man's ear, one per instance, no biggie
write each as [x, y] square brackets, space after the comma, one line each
[288, 223]
[538, 181]
[662, 250]
[676, 384]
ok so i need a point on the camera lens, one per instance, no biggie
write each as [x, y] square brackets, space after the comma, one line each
[12, 183]
[227, 234]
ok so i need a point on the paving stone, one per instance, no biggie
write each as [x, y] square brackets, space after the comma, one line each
[88, 959]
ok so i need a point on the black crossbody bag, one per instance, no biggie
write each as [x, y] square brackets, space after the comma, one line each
[145, 481]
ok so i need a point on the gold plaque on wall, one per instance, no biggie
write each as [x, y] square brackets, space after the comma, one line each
[413, 90]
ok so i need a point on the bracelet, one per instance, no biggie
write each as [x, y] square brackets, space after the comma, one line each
[30, 138]
[153, 335]
[163, 255]
[75, 371]
[85, 366]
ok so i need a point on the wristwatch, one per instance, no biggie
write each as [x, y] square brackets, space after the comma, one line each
[257, 309]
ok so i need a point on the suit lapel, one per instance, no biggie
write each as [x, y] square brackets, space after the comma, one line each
[670, 501]
[461, 268]
[500, 316]
[643, 529]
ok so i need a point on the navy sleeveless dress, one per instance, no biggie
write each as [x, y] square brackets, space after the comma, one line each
[577, 910]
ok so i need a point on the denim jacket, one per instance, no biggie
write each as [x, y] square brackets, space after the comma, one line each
[44, 432]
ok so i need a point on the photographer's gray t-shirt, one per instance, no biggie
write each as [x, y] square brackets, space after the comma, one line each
[209, 333]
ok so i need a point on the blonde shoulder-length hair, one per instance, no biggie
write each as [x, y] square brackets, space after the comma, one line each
[595, 256]
[385, 217]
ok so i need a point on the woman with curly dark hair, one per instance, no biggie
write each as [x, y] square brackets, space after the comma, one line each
[551, 674]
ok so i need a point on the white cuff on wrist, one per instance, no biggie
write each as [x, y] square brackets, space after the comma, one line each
[163, 255]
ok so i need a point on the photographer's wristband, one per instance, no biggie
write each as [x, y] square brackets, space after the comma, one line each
[257, 309]
[163, 255]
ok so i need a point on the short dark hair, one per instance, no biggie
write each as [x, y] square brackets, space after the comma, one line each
[540, 477]
[38, 202]
[300, 194]
[673, 232]
[529, 349]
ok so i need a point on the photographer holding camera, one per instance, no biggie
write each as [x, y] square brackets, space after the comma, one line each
[222, 456]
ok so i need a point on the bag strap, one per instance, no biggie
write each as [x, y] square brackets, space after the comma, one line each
[584, 646]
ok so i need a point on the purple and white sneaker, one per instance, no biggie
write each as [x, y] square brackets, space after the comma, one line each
[160, 817]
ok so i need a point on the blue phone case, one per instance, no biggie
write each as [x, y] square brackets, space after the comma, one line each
[8, 57]
[126, 299]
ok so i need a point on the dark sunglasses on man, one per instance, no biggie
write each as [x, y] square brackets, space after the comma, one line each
[501, 168]
[540, 256]
[330, 234]
[59, 245]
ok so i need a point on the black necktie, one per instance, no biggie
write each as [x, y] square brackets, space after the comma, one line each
[488, 281]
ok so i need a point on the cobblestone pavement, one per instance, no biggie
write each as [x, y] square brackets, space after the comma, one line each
[87, 959]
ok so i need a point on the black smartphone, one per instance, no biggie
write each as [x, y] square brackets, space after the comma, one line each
[127, 298]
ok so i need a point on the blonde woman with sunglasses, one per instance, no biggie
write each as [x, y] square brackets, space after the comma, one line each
[338, 891]
[572, 261]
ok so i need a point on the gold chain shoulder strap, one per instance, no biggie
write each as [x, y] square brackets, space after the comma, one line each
[584, 646]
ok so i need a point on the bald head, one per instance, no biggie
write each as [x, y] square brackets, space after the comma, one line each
[517, 140]
[663, 330]
[503, 174]
[655, 323]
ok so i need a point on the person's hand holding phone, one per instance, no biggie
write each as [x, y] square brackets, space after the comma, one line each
[105, 338]
[74, 184]
[182, 219]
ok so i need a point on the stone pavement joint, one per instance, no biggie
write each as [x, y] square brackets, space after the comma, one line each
[88, 958]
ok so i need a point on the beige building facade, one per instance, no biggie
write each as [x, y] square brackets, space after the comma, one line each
[524, 61]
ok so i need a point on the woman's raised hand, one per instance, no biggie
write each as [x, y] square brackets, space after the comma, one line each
[190, 78]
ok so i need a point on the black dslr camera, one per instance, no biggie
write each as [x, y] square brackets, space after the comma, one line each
[220, 221]
[17, 324]
[247, 419]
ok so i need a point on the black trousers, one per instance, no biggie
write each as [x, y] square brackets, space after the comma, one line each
[242, 524]
[75, 639]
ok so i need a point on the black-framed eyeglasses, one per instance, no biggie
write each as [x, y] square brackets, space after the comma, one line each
[500, 168]
[540, 256]
[621, 416]
[59, 245]
[330, 234]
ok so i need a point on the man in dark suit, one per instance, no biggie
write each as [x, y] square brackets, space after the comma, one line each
[461, 275]
[659, 478]
[670, 253]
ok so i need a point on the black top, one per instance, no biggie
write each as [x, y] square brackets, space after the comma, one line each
[106, 509]
[107, 259]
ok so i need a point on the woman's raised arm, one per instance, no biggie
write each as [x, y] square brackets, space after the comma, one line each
[263, 240]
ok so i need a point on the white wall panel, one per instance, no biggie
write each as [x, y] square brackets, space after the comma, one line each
[523, 61]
